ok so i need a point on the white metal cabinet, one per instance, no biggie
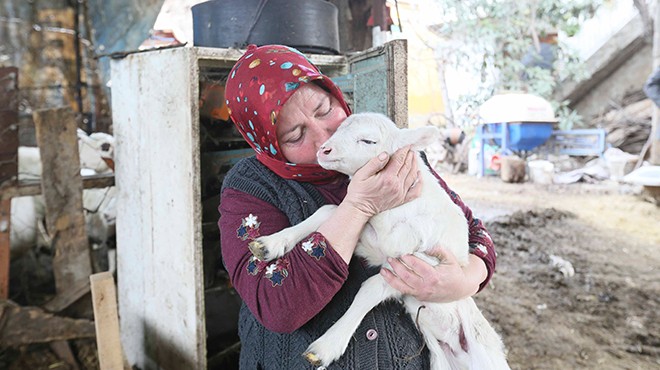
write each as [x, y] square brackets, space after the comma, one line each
[155, 106]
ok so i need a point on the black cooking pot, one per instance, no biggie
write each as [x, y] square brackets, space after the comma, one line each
[308, 25]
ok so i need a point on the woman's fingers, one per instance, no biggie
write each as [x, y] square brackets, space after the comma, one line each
[412, 275]
[408, 175]
[404, 276]
[395, 282]
[406, 160]
[385, 182]
[372, 167]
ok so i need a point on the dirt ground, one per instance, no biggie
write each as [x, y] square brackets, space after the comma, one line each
[606, 315]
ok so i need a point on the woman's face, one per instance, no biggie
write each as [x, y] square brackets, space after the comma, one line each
[306, 121]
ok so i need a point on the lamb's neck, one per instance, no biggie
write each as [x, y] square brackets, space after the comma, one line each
[430, 181]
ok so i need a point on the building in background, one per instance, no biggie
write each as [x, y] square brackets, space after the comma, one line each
[427, 93]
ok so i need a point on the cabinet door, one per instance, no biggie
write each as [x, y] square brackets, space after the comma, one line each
[377, 81]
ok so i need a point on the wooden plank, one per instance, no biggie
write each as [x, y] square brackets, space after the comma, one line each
[330, 65]
[5, 212]
[654, 137]
[32, 187]
[8, 124]
[397, 81]
[26, 325]
[106, 321]
[159, 258]
[62, 349]
[64, 299]
[62, 189]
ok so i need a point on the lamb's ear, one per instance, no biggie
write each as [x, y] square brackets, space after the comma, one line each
[419, 138]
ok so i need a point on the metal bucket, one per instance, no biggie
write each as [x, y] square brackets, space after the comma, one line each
[309, 25]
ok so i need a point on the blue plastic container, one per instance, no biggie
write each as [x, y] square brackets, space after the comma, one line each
[523, 136]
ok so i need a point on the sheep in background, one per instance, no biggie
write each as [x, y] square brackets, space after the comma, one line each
[415, 227]
[96, 151]
[28, 212]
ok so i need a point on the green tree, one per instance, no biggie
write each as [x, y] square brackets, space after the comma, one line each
[512, 45]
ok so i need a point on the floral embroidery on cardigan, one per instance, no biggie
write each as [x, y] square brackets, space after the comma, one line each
[484, 234]
[478, 249]
[255, 265]
[315, 246]
[277, 271]
[249, 228]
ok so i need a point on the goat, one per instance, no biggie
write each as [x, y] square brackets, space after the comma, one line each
[413, 228]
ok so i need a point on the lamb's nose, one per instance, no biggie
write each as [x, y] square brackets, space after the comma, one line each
[325, 150]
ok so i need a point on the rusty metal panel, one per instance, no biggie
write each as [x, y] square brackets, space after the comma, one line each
[120, 25]
[8, 124]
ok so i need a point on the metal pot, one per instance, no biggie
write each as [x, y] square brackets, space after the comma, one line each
[308, 25]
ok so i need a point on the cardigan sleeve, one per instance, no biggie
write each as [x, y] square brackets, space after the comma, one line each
[285, 293]
[479, 240]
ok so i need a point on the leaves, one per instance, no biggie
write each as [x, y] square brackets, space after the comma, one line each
[499, 40]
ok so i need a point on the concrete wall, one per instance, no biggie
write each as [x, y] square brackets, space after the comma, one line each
[628, 78]
[618, 68]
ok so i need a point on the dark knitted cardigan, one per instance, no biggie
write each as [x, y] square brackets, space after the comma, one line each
[398, 345]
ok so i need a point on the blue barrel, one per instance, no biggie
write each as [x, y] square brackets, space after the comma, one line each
[523, 135]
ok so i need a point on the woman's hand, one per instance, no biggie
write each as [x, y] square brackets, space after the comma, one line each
[445, 282]
[382, 184]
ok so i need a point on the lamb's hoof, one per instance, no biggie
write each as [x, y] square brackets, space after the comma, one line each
[258, 250]
[312, 358]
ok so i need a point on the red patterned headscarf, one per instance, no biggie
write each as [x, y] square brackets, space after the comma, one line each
[262, 80]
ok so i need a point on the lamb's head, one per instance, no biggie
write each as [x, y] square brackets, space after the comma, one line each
[96, 151]
[363, 136]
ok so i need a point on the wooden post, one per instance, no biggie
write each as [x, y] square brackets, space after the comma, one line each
[654, 158]
[397, 81]
[61, 186]
[106, 321]
[5, 212]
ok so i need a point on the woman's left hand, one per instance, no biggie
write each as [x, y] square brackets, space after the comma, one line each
[445, 282]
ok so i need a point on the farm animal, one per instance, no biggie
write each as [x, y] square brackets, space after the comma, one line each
[414, 227]
[96, 151]
[27, 213]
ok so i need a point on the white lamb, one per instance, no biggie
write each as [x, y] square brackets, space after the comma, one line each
[415, 227]
[28, 212]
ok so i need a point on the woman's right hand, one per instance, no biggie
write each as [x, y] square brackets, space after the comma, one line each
[385, 182]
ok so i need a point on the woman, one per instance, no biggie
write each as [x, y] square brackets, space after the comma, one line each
[285, 109]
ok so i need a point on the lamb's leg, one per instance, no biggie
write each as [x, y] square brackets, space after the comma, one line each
[425, 318]
[276, 245]
[331, 345]
[438, 356]
[485, 347]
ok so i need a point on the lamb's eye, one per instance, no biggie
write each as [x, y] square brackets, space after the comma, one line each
[367, 141]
